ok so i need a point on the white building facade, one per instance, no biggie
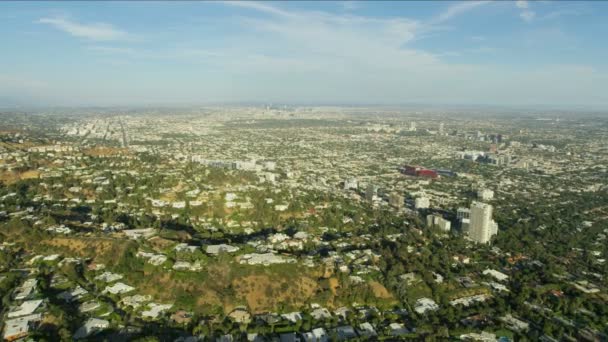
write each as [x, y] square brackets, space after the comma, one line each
[482, 227]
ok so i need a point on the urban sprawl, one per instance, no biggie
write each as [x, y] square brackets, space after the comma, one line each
[278, 223]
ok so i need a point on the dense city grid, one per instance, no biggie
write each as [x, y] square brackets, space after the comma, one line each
[303, 223]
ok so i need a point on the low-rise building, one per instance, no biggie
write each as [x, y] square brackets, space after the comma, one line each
[90, 327]
[222, 248]
[139, 233]
[366, 330]
[425, 304]
[18, 328]
[108, 277]
[346, 332]
[514, 323]
[89, 306]
[26, 308]
[265, 259]
[469, 300]
[118, 288]
[316, 335]
[496, 275]
[73, 295]
[154, 310]
[26, 289]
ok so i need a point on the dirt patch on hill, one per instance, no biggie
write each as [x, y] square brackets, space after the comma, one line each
[334, 284]
[209, 297]
[30, 174]
[265, 293]
[379, 290]
[10, 177]
[171, 196]
[167, 287]
[51, 320]
[159, 244]
[100, 250]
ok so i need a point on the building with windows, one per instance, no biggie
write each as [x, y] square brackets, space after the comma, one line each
[350, 184]
[438, 222]
[464, 216]
[418, 171]
[481, 227]
[395, 200]
[413, 126]
[370, 192]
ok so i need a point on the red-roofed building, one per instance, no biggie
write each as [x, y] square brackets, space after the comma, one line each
[418, 171]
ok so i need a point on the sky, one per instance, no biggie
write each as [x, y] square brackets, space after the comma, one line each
[507, 53]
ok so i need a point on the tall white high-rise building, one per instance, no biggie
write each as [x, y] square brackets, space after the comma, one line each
[370, 192]
[441, 128]
[481, 226]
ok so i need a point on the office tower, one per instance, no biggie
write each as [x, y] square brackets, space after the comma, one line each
[464, 217]
[350, 184]
[481, 226]
[370, 192]
[395, 200]
[438, 222]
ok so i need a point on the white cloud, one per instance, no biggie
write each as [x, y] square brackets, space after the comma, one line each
[457, 9]
[334, 41]
[111, 49]
[94, 31]
[317, 56]
[561, 13]
[279, 55]
[527, 15]
[523, 4]
[258, 6]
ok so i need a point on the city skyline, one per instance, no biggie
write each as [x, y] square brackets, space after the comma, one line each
[519, 54]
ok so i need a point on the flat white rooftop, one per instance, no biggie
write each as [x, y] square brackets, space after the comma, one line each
[26, 308]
